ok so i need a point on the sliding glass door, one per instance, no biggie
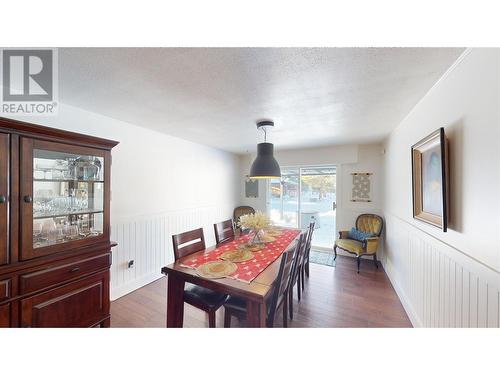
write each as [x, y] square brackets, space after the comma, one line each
[283, 204]
[304, 194]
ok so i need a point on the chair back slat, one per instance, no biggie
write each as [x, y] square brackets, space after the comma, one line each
[297, 260]
[282, 280]
[307, 247]
[188, 243]
[224, 231]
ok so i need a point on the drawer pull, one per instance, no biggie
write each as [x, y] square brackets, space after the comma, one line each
[76, 269]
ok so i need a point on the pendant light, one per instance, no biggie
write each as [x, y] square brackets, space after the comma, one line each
[265, 165]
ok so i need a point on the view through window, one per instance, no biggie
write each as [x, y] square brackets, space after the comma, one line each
[305, 194]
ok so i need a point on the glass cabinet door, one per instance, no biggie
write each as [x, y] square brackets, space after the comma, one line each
[63, 197]
[4, 169]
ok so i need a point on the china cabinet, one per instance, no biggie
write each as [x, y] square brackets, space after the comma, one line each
[55, 250]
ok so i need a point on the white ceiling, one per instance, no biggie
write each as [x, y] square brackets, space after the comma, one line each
[213, 96]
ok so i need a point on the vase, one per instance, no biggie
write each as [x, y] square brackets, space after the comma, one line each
[256, 237]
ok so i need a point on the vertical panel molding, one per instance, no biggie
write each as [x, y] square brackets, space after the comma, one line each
[148, 241]
[438, 285]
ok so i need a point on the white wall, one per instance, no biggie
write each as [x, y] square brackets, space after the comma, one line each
[452, 278]
[160, 185]
[348, 159]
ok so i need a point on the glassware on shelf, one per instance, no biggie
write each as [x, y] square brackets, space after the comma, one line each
[70, 172]
[87, 168]
[71, 232]
[84, 227]
[37, 229]
[38, 174]
[49, 230]
[68, 195]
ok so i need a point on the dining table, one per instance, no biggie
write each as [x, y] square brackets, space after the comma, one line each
[255, 292]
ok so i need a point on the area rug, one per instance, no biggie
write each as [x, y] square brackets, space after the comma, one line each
[320, 257]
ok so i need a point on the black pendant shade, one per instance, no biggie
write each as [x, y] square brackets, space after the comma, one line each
[265, 165]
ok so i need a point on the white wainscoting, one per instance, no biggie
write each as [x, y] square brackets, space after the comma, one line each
[438, 285]
[148, 241]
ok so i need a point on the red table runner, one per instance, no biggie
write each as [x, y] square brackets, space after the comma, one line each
[249, 270]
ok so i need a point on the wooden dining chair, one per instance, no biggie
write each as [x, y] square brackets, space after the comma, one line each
[238, 306]
[295, 273]
[224, 231]
[239, 212]
[202, 298]
[307, 252]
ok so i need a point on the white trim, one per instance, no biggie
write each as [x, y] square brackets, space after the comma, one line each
[433, 236]
[415, 321]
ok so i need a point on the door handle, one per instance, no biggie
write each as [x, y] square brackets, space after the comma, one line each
[334, 205]
[3, 199]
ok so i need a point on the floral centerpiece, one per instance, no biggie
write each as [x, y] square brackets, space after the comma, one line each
[256, 222]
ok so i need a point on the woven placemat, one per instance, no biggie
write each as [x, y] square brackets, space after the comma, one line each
[251, 247]
[273, 232]
[237, 256]
[267, 239]
[216, 269]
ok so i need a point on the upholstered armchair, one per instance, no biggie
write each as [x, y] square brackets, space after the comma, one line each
[368, 223]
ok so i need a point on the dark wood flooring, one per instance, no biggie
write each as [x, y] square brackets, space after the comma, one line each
[333, 297]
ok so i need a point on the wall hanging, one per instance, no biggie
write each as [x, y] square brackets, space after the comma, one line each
[430, 179]
[361, 187]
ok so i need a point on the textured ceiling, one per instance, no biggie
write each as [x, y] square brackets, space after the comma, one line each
[213, 96]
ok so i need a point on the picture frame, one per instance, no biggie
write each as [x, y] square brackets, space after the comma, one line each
[430, 190]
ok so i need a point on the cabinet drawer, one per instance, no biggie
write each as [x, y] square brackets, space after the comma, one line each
[5, 316]
[82, 303]
[58, 274]
[4, 289]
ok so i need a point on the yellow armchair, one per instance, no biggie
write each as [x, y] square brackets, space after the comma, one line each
[366, 223]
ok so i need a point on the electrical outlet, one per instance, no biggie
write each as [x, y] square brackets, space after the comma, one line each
[130, 264]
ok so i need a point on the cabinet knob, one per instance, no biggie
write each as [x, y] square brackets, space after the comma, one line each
[28, 199]
[2, 199]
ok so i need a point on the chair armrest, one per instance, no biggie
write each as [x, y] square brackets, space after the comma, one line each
[343, 234]
[371, 244]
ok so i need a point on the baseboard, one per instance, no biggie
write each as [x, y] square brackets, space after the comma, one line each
[415, 321]
[125, 289]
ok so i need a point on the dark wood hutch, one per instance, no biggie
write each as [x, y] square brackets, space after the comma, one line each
[55, 249]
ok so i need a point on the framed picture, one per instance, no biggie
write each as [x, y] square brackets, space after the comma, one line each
[430, 179]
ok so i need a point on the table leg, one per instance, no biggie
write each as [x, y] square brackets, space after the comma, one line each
[256, 314]
[175, 302]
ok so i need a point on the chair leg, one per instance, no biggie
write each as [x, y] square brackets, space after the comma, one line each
[298, 285]
[285, 312]
[375, 260]
[211, 319]
[290, 302]
[227, 318]
[358, 258]
[335, 251]
[307, 269]
[303, 277]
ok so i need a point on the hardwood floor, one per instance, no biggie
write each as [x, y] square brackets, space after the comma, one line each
[333, 297]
